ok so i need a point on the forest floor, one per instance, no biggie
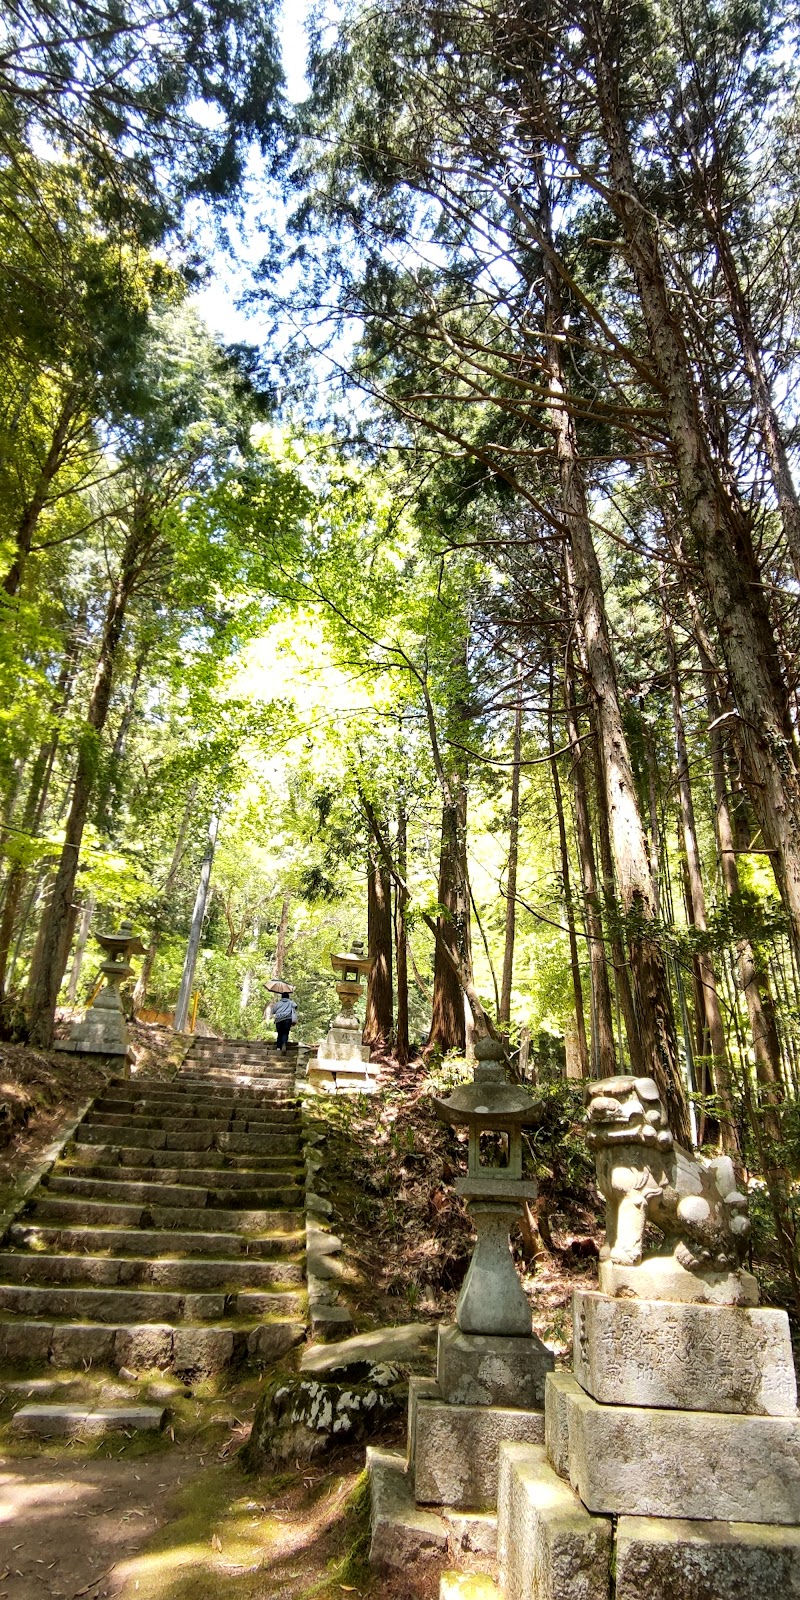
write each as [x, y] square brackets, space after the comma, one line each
[176, 1517]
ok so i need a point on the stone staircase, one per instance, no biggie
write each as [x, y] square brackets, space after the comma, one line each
[170, 1232]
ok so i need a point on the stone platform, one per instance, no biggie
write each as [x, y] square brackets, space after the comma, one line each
[694, 1357]
[648, 1462]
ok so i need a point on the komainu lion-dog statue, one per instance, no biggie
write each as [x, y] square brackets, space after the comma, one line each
[645, 1177]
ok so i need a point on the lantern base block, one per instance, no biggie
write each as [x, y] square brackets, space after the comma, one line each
[454, 1451]
[475, 1369]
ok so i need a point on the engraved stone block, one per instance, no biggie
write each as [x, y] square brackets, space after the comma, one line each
[695, 1464]
[658, 1277]
[696, 1357]
[475, 1369]
[549, 1547]
[455, 1451]
[705, 1560]
[556, 1430]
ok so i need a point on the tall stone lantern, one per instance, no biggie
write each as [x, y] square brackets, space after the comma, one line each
[103, 1030]
[342, 1063]
[492, 1300]
[490, 1366]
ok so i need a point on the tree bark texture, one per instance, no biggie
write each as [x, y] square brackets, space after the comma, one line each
[401, 937]
[143, 981]
[604, 1056]
[50, 960]
[504, 1010]
[279, 962]
[574, 958]
[648, 966]
[379, 1016]
[722, 545]
[453, 926]
[36, 799]
[720, 1068]
[26, 528]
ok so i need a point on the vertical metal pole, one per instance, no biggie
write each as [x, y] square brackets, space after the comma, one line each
[187, 980]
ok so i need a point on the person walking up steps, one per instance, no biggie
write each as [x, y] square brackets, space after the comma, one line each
[284, 1015]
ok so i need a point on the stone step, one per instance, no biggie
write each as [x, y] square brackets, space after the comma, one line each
[152, 1192]
[159, 1139]
[203, 1047]
[153, 1243]
[186, 1088]
[60, 1422]
[266, 1109]
[97, 1213]
[86, 1155]
[131, 1271]
[245, 1124]
[252, 1079]
[206, 1177]
[144, 1305]
[187, 1350]
[191, 1090]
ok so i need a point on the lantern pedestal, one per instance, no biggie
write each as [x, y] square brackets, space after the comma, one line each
[493, 1299]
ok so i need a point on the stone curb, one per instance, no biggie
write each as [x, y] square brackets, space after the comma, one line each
[328, 1319]
[31, 1180]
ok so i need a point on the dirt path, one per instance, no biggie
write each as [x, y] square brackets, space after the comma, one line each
[69, 1526]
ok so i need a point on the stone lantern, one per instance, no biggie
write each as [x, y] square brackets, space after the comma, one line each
[491, 1368]
[342, 1062]
[492, 1300]
[103, 1030]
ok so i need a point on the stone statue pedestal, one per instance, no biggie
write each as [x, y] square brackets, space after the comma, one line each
[671, 1465]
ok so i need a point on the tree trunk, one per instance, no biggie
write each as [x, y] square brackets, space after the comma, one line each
[720, 1070]
[648, 966]
[752, 978]
[279, 962]
[80, 948]
[143, 980]
[401, 937]
[110, 798]
[723, 549]
[574, 959]
[48, 967]
[28, 522]
[379, 1019]
[604, 1058]
[196, 930]
[769, 425]
[504, 1011]
[453, 926]
[36, 800]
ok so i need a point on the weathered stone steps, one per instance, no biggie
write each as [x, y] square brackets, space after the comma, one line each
[211, 1220]
[161, 1139]
[271, 1177]
[145, 1304]
[118, 1155]
[200, 1111]
[191, 1124]
[170, 1233]
[136, 1241]
[136, 1271]
[185, 1349]
[177, 1194]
